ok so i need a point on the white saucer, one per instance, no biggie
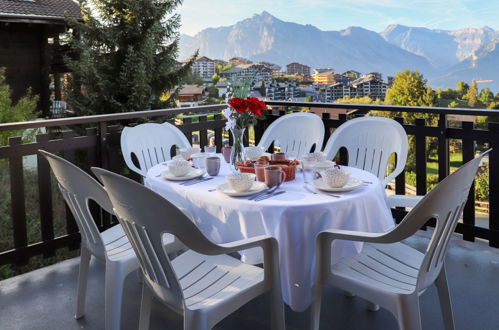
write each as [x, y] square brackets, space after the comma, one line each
[352, 184]
[194, 173]
[256, 188]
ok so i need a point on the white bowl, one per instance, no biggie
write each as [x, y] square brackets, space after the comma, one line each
[179, 167]
[318, 157]
[253, 152]
[335, 177]
[188, 152]
[241, 181]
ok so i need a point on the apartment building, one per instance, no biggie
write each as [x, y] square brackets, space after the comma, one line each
[323, 76]
[204, 67]
[281, 91]
[257, 72]
[370, 85]
[297, 68]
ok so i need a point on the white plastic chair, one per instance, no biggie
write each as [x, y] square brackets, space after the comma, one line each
[296, 132]
[390, 273]
[370, 141]
[151, 143]
[204, 284]
[110, 247]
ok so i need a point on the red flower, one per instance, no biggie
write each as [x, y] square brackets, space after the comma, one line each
[255, 105]
[238, 104]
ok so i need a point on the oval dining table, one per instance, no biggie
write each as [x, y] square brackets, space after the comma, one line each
[294, 218]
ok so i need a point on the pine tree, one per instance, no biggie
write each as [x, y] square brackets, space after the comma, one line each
[126, 56]
[472, 95]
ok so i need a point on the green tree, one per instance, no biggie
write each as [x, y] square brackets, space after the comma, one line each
[462, 89]
[410, 88]
[453, 104]
[126, 56]
[23, 110]
[472, 95]
[486, 96]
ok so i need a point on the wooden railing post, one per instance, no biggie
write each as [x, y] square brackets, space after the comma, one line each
[443, 148]
[494, 185]
[17, 199]
[104, 161]
[469, 208]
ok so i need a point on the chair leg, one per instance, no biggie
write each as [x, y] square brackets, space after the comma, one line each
[82, 282]
[445, 302]
[145, 308]
[278, 318]
[115, 278]
[315, 315]
[409, 316]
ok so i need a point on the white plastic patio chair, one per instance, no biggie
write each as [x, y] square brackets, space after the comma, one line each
[151, 143]
[390, 273]
[204, 284]
[110, 247]
[370, 141]
[296, 132]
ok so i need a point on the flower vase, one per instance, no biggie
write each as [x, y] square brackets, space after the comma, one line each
[237, 152]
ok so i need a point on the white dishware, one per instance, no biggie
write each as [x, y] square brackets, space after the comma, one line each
[315, 157]
[188, 152]
[253, 152]
[352, 184]
[241, 181]
[192, 174]
[211, 150]
[199, 160]
[335, 177]
[179, 167]
[321, 166]
[255, 188]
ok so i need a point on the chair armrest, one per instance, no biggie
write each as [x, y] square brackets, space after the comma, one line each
[257, 241]
[357, 236]
[403, 200]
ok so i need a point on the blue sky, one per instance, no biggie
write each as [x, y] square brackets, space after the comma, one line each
[339, 14]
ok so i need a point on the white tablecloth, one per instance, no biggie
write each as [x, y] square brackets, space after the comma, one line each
[293, 218]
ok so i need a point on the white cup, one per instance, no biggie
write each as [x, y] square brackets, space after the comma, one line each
[210, 150]
[335, 177]
[179, 167]
[241, 182]
[188, 152]
[317, 157]
[321, 166]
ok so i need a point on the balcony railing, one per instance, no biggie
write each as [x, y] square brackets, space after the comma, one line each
[95, 141]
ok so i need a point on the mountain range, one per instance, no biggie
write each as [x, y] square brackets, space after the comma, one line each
[443, 56]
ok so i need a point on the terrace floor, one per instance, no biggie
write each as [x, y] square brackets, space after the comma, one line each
[45, 299]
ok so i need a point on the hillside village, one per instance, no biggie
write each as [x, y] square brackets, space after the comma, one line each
[295, 82]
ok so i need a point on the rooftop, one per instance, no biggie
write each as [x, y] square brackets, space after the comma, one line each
[45, 299]
[51, 9]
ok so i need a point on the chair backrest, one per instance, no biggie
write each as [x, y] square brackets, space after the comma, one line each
[77, 188]
[151, 143]
[296, 132]
[370, 141]
[445, 203]
[145, 216]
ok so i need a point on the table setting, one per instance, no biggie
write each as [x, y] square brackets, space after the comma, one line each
[259, 198]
